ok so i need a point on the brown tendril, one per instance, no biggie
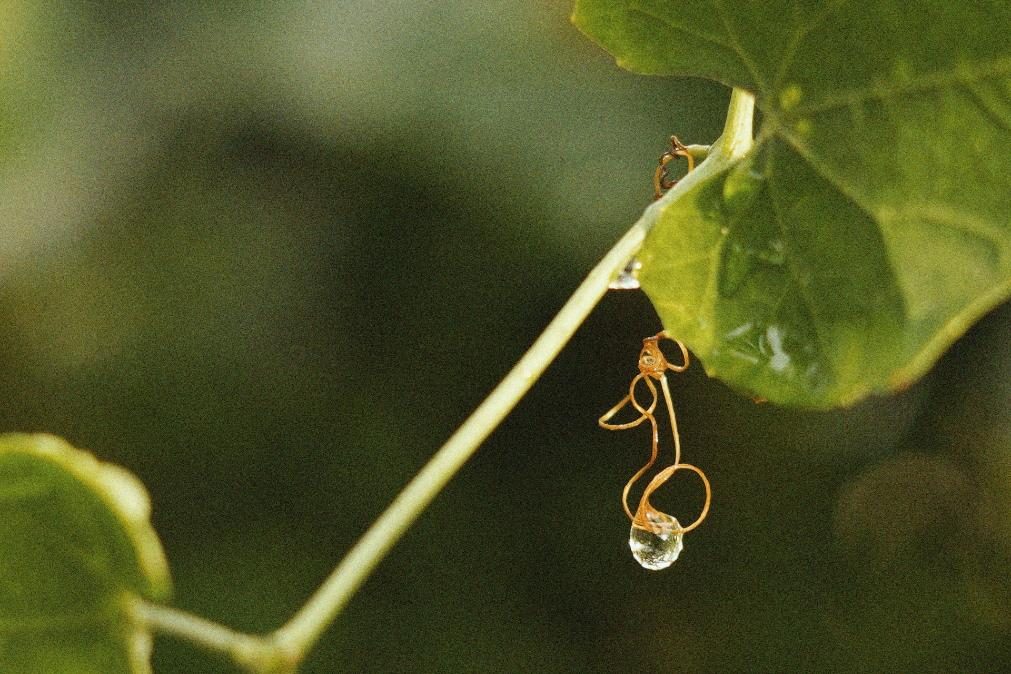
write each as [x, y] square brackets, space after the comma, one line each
[661, 178]
[653, 364]
[641, 519]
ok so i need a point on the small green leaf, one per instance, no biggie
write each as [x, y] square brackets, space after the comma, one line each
[870, 225]
[77, 549]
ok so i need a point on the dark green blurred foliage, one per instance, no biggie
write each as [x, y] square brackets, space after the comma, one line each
[269, 256]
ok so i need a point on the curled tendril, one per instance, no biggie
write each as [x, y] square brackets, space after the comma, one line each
[661, 179]
[653, 365]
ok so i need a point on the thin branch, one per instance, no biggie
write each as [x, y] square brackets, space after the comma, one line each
[306, 626]
[251, 652]
[738, 136]
[281, 651]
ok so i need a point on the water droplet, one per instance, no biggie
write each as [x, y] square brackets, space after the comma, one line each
[657, 548]
[780, 360]
[739, 331]
[628, 279]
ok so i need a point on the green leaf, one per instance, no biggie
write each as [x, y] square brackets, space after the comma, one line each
[870, 225]
[77, 549]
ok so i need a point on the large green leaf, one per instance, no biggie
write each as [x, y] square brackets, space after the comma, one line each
[76, 549]
[870, 224]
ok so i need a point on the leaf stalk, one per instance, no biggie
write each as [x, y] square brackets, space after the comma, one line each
[254, 653]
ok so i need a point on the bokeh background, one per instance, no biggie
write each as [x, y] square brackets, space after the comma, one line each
[269, 255]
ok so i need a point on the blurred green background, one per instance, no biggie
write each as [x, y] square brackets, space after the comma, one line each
[269, 255]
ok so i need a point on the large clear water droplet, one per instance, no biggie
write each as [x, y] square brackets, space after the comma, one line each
[628, 279]
[659, 547]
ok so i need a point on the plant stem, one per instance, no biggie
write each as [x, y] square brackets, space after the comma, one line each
[287, 646]
[305, 628]
[253, 653]
[737, 137]
[302, 631]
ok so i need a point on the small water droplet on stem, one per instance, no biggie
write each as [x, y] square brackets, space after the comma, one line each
[628, 279]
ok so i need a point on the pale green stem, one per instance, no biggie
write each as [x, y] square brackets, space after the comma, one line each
[302, 631]
[737, 137]
[253, 653]
[282, 650]
[698, 152]
[306, 626]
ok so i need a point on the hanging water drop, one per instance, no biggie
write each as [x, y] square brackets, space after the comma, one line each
[659, 546]
[628, 279]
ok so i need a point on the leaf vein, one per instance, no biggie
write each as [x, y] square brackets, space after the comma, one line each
[738, 49]
[790, 53]
[822, 169]
[938, 214]
[1000, 117]
[961, 221]
[960, 75]
[677, 27]
[806, 299]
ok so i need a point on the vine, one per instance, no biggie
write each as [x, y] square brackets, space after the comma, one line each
[282, 650]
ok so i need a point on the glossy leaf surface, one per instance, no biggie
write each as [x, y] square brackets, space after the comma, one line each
[871, 223]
